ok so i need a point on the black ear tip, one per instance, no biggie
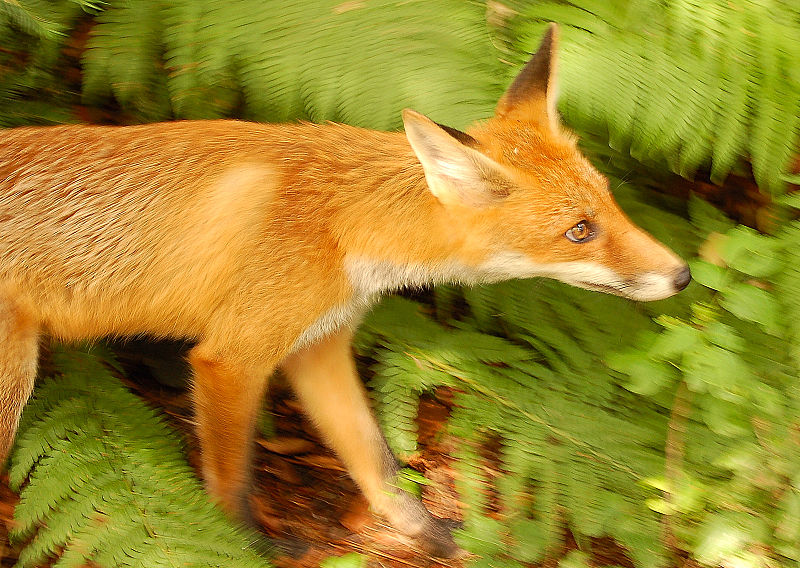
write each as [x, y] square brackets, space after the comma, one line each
[534, 82]
[551, 35]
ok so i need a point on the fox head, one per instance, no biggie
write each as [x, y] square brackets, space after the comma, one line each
[520, 184]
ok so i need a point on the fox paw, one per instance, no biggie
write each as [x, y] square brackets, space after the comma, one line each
[436, 538]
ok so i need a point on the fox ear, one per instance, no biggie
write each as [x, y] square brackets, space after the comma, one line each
[534, 93]
[455, 172]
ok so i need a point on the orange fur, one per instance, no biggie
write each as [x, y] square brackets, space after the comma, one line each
[266, 243]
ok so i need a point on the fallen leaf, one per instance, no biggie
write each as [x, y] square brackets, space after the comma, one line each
[287, 446]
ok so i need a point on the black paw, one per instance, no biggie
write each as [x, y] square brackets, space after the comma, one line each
[436, 538]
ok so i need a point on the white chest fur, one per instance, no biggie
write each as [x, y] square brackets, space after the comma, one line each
[370, 278]
[335, 318]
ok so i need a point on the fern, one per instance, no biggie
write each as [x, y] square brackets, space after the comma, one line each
[401, 377]
[576, 447]
[32, 18]
[694, 85]
[564, 450]
[103, 480]
[123, 57]
[359, 63]
[583, 393]
[687, 83]
[787, 285]
[595, 450]
[32, 35]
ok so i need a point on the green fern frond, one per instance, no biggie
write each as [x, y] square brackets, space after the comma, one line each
[558, 430]
[32, 17]
[36, 92]
[358, 63]
[104, 481]
[687, 83]
[787, 283]
[578, 449]
[200, 42]
[123, 58]
[738, 402]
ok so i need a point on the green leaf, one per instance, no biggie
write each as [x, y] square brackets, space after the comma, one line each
[720, 538]
[751, 253]
[410, 480]
[724, 418]
[481, 537]
[127, 493]
[725, 336]
[706, 217]
[689, 494]
[789, 524]
[647, 376]
[673, 342]
[768, 400]
[575, 559]
[790, 199]
[717, 371]
[753, 304]
[532, 540]
[709, 275]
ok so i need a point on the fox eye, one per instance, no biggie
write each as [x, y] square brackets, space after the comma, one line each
[581, 232]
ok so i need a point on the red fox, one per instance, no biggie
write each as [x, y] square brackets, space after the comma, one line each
[267, 243]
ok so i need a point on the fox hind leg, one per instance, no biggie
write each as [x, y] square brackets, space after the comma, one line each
[325, 379]
[19, 351]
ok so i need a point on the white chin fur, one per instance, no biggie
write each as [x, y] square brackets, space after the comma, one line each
[632, 292]
[589, 275]
[643, 288]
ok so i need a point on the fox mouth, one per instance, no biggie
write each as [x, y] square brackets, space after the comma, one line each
[606, 288]
[629, 290]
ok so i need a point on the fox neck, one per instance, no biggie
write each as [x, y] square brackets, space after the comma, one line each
[394, 233]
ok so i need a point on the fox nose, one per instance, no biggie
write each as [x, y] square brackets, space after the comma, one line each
[682, 277]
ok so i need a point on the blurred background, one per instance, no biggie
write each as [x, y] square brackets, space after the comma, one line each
[562, 426]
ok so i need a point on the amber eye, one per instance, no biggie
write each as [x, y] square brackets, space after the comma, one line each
[580, 233]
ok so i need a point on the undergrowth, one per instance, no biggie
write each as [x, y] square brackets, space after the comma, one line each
[685, 84]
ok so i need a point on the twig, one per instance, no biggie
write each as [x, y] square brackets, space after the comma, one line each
[674, 453]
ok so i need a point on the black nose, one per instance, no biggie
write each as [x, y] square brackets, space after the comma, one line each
[682, 277]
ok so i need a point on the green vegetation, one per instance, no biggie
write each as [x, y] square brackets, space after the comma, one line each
[104, 479]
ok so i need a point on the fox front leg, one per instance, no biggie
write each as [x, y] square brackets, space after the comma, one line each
[227, 397]
[325, 379]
